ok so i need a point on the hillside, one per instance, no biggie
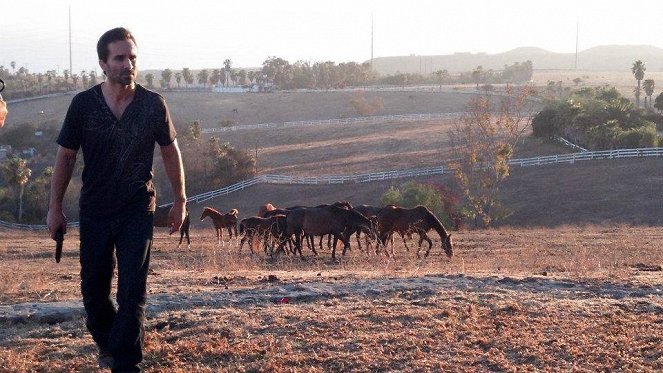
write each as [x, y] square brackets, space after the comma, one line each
[601, 58]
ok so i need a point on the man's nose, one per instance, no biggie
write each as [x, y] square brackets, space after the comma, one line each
[128, 63]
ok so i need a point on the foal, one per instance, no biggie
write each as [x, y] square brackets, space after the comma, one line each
[220, 221]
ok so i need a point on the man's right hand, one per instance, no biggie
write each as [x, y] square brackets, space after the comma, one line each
[56, 221]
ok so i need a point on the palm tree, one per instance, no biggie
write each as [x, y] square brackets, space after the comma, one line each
[648, 86]
[227, 64]
[16, 173]
[477, 75]
[149, 78]
[13, 65]
[638, 70]
[166, 75]
[188, 76]
[178, 78]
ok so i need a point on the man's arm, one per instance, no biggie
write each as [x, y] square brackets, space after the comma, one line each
[65, 161]
[172, 161]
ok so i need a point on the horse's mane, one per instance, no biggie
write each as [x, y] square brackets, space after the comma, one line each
[212, 210]
[433, 221]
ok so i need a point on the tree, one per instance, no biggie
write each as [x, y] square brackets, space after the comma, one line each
[638, 70]
[648, 86]
[13, 65]
[227, 64]
[166, 75]
[658, 103]
[149, 78]
[17, 174]
[66, 78]
[84, 78]
[93, 78]
[178, 78]
[441, 75]
[215, 77]
[483, 141]
[477, 75]
[74, 78]
[187, 75]
[203, 76]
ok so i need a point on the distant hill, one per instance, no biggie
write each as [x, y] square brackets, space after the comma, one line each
[601, 58]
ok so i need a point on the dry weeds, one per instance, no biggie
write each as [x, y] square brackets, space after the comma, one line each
[568, 298]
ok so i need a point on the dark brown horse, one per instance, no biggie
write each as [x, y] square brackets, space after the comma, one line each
[271, 230]
[418, 220]
[338, 222]
[161, 220]
[220, 221]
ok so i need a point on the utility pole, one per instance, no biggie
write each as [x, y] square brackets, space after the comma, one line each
[577, 27]
[71, 70]
[371, 41]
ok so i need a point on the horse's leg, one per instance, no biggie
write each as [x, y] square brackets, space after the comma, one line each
[334, 247]
[404, 242]
[329, 237]
[430, 245]
[346, 242]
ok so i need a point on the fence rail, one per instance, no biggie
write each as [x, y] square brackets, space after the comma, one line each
[340, 121]
[392, 174]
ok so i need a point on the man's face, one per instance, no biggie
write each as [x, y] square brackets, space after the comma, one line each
[120, 66]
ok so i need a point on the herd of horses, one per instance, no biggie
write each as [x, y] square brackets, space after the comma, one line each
[283, 230]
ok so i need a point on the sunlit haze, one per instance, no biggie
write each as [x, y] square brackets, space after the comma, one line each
[201, 34]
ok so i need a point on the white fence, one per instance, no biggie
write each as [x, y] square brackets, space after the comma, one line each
[394, 174]
[341, 121]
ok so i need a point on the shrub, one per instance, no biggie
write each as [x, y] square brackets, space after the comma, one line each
[438, 198]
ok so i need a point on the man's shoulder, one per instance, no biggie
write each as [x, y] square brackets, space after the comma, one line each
[86, 94]
[150, 94]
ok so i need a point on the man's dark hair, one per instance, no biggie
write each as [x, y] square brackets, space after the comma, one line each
[110, 36]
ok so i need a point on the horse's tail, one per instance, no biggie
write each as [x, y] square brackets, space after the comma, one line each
[233, 212]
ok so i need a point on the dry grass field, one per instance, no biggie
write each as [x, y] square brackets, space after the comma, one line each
[540, 299]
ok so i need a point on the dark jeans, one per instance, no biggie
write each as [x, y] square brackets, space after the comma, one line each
[118, 331]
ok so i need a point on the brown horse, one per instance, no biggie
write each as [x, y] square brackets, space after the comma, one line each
[220, 221]
[161, 220]
[418, 219]
[264, 208]
[269, 230]
[338, 222]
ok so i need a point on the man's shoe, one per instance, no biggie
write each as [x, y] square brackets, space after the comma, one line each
[105, 360]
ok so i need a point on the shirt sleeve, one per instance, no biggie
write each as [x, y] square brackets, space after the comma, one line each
[70, 133]
[165, 131]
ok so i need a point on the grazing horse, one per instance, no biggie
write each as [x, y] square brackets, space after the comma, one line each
[273, 227]
[161, 220]
[264, 208]
[418, 219]
[220, 221]
[339, 222]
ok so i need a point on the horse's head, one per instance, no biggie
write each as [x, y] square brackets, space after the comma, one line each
[205, 214]
[448, 246]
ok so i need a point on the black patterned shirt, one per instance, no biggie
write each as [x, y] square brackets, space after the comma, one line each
[117, 154]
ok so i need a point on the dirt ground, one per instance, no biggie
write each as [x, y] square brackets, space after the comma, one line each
[570, 298]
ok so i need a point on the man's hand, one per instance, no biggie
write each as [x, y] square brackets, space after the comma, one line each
[56, 221]
[176, 216]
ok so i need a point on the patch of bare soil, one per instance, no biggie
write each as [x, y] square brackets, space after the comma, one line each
[569, 298]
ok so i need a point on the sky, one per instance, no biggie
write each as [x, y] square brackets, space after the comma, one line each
[201, 34]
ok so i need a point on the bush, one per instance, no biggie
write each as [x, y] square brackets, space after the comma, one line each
[437, 198]
[643, 137]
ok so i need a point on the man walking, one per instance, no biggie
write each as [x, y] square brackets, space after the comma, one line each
[116, 125]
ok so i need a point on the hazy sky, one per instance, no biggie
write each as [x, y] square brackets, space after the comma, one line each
[201, 34]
